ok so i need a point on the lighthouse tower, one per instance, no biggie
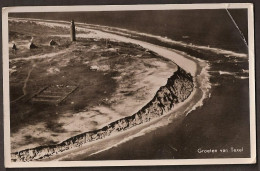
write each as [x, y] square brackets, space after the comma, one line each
[72, 31]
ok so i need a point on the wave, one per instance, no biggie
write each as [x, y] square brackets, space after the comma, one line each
[225, 73]
[204, 84]
[245, 71]
[241, 77]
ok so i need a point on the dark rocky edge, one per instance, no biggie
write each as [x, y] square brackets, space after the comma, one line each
[178, 88]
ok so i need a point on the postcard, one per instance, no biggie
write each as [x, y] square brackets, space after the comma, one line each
[129, 85]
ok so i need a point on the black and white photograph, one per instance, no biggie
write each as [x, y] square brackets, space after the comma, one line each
[129, 85]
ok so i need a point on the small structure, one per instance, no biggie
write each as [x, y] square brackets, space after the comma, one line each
[72, 31]
[53, 43]
[31, 45]
[14, 47]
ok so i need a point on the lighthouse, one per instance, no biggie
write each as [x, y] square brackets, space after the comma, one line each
[72, 31]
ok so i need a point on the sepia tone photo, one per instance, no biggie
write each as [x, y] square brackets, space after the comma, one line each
[125, 85]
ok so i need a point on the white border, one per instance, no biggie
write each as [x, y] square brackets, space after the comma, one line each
[10, 164]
